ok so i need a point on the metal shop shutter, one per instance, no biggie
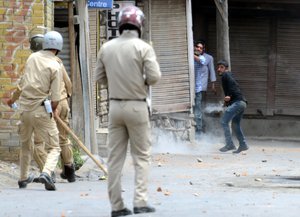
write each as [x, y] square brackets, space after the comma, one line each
[168, 30]
[61, 23]
[249, 47]
[287, 93]
[64, 55]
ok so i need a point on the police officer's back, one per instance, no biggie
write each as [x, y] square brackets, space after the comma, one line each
[129, 66]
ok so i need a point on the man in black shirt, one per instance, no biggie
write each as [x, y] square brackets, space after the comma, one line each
[236, 105]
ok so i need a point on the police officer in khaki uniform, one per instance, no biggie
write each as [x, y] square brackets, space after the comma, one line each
[41, 80]
[63, 110]
[36, 44]
[128, 65]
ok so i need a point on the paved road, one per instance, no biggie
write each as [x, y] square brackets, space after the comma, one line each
[186, 180]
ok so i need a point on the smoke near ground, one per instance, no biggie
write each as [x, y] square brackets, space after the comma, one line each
[214, 108]
[166, 141]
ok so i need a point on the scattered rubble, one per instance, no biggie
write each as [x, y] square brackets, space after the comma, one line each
[229, 184]
[10, 172]
[199, 160]
[165, 192]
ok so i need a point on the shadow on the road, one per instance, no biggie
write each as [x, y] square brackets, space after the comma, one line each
[293, 178]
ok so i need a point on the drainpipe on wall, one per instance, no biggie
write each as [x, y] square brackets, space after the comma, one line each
[190, 51]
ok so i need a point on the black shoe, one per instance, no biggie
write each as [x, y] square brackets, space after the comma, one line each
[143, 209]
[121, 212]
[68, 173]
[53, 176]
[227, 148]
[240, 149]
[23, 183]
[36, 180]
[47, 180]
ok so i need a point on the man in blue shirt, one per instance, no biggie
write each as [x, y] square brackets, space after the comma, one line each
[204, 69]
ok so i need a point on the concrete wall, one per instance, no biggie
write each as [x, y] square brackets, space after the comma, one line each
[17, 19]
[280, 128]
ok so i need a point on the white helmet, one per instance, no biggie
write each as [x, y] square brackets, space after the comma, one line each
[53, 40]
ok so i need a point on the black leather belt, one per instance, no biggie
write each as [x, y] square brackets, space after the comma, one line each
[116, 99]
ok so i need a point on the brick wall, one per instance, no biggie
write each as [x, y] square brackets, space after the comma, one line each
[17, 19]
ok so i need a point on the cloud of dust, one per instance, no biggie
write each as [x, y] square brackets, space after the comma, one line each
[210, 142]
[213, 108]
[164, 141]
[167, 142]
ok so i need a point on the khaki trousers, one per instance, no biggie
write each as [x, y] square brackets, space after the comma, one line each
[40, 122]
[128, 121]
[39, 153]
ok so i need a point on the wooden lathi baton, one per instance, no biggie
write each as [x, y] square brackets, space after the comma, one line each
[68, 129]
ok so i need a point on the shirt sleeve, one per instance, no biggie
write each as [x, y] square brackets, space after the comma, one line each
[56, 79]
[225, 84]
[151, 67]
[16, 94]
[212, 73]
[100, 72]
[67, 81]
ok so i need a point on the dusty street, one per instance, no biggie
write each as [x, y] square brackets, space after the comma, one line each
[186, 180]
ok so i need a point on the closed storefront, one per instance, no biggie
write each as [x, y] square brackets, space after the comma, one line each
[287, 84]
[249, 49]
[264, 51]
[61, 25]
[168, 34]
[249, 58]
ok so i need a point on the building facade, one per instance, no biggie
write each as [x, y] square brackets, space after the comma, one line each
[264, 42]
[18, 19]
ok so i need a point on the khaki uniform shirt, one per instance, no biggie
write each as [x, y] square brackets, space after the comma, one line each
[66, 84]
[42, 76]
[128, 64]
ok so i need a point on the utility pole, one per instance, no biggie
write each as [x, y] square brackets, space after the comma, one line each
[86, 78]
[223, 51]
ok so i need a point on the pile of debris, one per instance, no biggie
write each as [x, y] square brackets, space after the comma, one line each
[10, 172]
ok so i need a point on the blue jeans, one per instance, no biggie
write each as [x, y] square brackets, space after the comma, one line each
[234, 113]
[198, 111]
